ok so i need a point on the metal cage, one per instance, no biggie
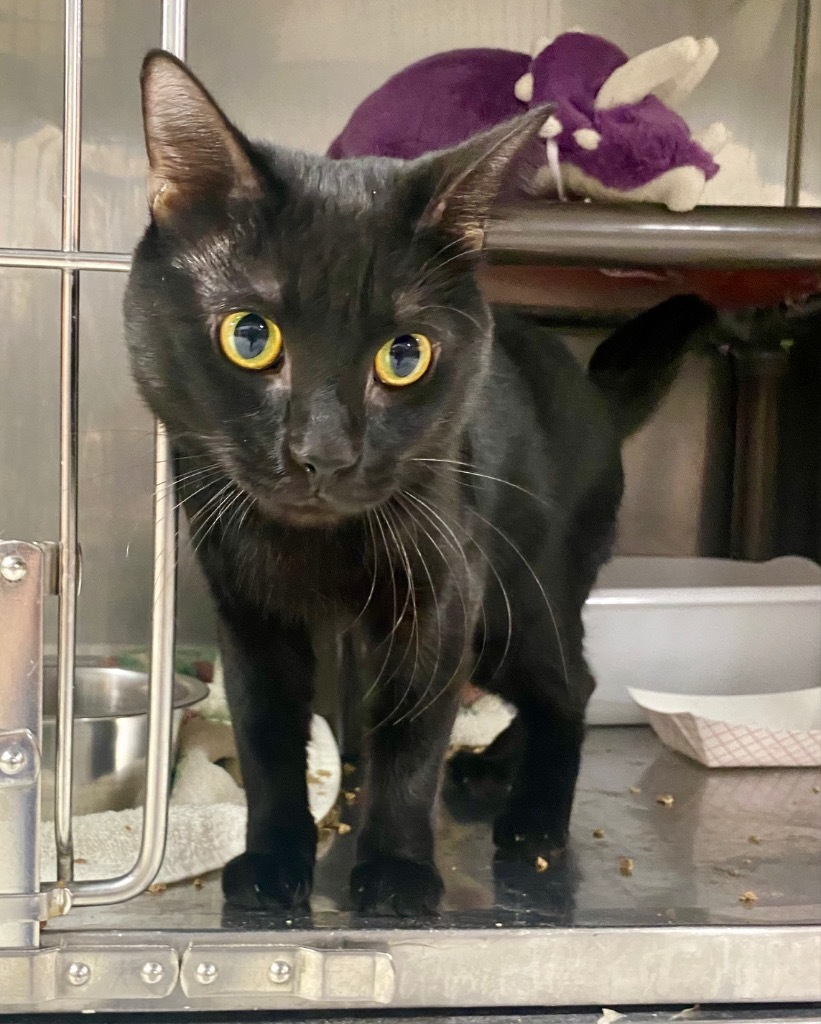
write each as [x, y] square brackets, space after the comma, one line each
[365, 967]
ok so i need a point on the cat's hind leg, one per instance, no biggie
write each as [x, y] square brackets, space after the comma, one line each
[479, 781]
[550, 692]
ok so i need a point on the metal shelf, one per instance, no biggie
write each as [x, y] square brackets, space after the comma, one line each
[641, 235]
[593, 235]
[674, 932]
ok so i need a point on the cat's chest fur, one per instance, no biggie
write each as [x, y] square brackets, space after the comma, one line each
[292, 572]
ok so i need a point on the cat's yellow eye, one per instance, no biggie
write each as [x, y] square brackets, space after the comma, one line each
[250, 340]
[403, 360]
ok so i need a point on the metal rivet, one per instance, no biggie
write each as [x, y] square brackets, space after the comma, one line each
[206, 973]
[152, 972]
[13, 569]
[12, 760]
[279, 972]
[78, 973]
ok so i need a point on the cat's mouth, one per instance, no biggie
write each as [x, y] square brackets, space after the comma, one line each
[314, 511]
[292, 503]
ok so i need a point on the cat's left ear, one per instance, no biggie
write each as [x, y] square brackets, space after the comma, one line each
[194, 151]
[468, 178]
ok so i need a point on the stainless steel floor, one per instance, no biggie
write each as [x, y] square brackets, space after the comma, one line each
[727, 833]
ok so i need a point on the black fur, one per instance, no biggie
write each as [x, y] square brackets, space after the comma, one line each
[460, 522]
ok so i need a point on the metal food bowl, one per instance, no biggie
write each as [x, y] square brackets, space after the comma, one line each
[110, 735]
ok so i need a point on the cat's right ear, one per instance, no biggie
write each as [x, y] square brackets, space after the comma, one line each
[195, 153]
[467, 179]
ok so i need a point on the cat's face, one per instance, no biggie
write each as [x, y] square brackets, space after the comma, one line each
[310, 327]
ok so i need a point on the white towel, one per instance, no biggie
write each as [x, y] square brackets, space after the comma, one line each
[199, 840]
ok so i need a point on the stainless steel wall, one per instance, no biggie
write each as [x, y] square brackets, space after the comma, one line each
[290, 71]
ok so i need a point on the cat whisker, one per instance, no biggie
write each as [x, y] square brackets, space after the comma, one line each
[427, 270]
[457, 468]
[369, 523]
[210, 482]
[437, 268]
[467, 632]
[538, 583]
[460, 312]
[409, 513]
[236, 507]
[246, 508]
[396, 619]
[390, 523]
[505, 598]
[215, 506]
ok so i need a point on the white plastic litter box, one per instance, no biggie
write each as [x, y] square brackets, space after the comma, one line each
[701, 625]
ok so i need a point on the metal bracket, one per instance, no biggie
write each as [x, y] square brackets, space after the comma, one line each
[21, 686]
[87, 974]
[327, 975]
[41, 906]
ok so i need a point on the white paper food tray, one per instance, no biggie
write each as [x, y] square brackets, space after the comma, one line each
[776, 730]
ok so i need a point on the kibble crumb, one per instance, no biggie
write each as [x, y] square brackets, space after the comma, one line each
[541, 864]
[157, 887]
[754, 840]
[598, 833]
[635, 790]
[343, 828]
[198, 883]
[350, 798]
[348, 769]
[665, 799]
[626, 866]
[748, 898]
[816, 789]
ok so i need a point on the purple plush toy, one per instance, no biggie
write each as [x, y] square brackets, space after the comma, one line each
[612, 136]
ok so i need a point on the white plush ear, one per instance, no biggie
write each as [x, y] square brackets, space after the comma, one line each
[523, 89]
[552, 128]
[676, 90]
[713, 138]
[647, 72]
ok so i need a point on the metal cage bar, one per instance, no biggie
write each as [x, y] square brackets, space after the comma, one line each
[69, 370]
[795, 142]
[161, 673]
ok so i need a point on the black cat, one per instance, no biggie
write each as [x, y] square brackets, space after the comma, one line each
[356, 439]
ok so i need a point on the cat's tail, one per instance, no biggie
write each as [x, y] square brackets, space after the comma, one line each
[636, 365]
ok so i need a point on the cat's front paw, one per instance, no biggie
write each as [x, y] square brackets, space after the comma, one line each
[528, 833]
[280, 878]
[395, 885]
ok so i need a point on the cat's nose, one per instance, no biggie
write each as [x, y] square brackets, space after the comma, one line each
[322, 466]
